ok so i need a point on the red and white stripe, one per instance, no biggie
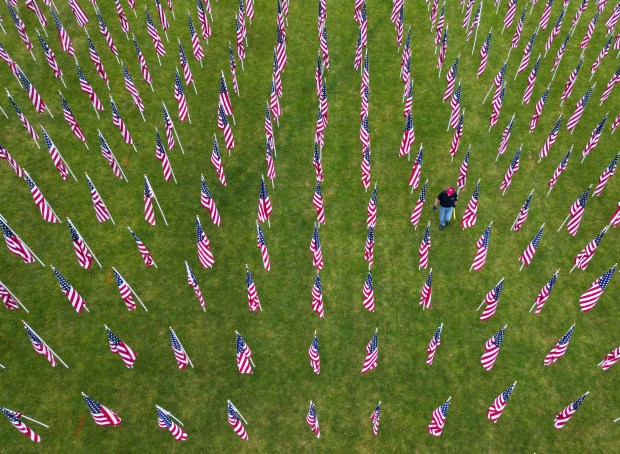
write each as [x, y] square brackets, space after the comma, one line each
[610, 359]
[101, 211]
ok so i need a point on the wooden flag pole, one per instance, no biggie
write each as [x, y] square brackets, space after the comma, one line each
[132, 290]
[157, 201]
[85, 243]
[188, 358]
[53, 352]
[26, 417]
[15, 298]
[3, 219]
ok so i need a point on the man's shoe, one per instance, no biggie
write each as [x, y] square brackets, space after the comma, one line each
[447, 222]
[441, 227]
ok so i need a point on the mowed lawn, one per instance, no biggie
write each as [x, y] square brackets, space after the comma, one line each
[275, 398]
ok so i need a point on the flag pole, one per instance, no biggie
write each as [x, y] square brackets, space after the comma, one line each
[53, 352]
[132, 290]
[26, 173]
[188, 358]
[26, 417]
[85, 243]
[27, 247]
[477, 27]
[157, 201]
[7, 117]
[560, 228]
[16, 299]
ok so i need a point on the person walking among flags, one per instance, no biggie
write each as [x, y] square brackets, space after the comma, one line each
[447, 201]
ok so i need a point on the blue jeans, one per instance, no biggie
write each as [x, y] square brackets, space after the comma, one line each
[445, 214]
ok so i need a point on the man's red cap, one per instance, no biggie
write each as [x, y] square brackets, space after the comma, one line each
[450, 190]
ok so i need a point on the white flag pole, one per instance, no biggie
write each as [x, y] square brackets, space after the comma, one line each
[237, 411]
[169, 414]
[53, 352]
[85, 243]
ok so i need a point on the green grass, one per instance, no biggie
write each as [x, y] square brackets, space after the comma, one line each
[275, 399]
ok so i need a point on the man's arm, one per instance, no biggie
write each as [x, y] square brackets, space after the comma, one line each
[435, 204]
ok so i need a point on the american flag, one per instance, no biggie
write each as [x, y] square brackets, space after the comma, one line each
[314, 353]
[262, 245]
[146, 255]
[407, 89]
[559, 169]
[408, 98]
[491, 351]
[538, 109]
[280, 49]
[206, 200]
[510, 13]
[544, 19]
[466, 17]
[50, 57]
[523, 212]
[425, 247]
[438, 419]
[4, 55]
[365, 132]
[235, 422]
[443, 49]
[187, 72]
[427, 291]
[106, 152]
[451, 79]
[417, 209]
[13, 417]
[455, 105]
[462, 178]
[4, 154]
[154, 34]
[274, 104]
[179, 95]
[560, 348]
[357, 10]
[78, 12]
[179, 352]
[543, 296]
[125, 291]
[40, 346]
[323, 103]
[101, 211]
[313, 421]
[317, 296]
[196, 46]
[611, 22]
[583, 258]
[615, 79]
[369, 248]
[616, 122]
[318, 75]
[474, 23]
[316, 162]
[582, 8]
[531, 81]
[224, 125]
[433, 345]
[15, 244]
[615, 218]
[216, 160]
[594, 138]
[244, 31]
[512, 169]
[357, 62]
[88, 89]
[146, 75]
[32, 6]
[70, 118]
[204, 246]
[589, 31]
[202, 18]
[165, 422]
[371, 219]
[365, 75]
[561, 50]
[250, 9]
[492, 300]
[500, 402]
[44, 207]
[458, 133]
[368, 293]
[484, 54]
[33, 94]
[527, 53]
[528, 254]
[372, 353]
[438, 28]
[376, 415]
[315, 248]
[77, 302]
[10, 302]
[555, 31]
[240, 47]
[317, 202]
[149, 195]
[471, 211]
[224, 97]
[503, 144]
[161, 155]
[264, 203]
[606, 175]
[565, 415]
[102, 415]
[121, 16]
[131, 88]
[517, 36]
[400, 25]
[233, 69]
[601, 55]
[105, 32]
[610, 359]
[366, 168]
[588, 300]
[324, 46]
[553, 135]
[119, 347]
[65, 40]
[396, 8]
[243, 357]
[84, 257]
[416, 170]
[120, 124]
[193, 283]
[21, 28]
[165, 25]
[576, 212]
[408, 136]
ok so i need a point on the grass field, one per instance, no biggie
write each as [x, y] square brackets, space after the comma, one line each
[275, 398]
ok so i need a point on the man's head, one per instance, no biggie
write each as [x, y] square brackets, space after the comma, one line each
[450, 190]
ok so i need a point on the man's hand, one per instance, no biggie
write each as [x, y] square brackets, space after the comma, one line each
[434, 207]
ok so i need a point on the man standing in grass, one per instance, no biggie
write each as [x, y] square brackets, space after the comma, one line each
[447, 200]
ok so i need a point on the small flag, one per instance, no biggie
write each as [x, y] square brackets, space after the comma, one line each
[77, 302]
[119, 347]
[492, 300]
[560, 348]
[317, 296]
[588, 300]
[565, 415]
[102, 415]
[438, 419]
[500, 402]
[491, 349]
[314, 353]
[372, 353]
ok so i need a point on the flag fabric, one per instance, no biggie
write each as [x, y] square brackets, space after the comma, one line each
[121, 16]
[168, 126]
[196, 46]
[512, 169]
[240, 46]
[262, 245]
[40, 346]
[146, 255]
[106, 152]
[146, 74]
[492, 300]
[497, 106]
[315, 248]
[482, 246]
[264, 203]
[553, 135]
[416, 170]
[15, 244]
[365, 167]
[163, 20]
[583, 258]
[510, 13]
[161, 155]
[438, 419]
[615, 79]
[243, 356]
[33, 94]
[474, 23]
[216, 160]
[101, 211]
[368, 293]
[544, 19]
[543, 296]
[427, 291]
[451, 80]
[206, 200]
[369, 248]
[561, 50]
[462, 178]
[78, 12]
[149, 195]
[105, 32]
[77, 302]
[560, 348]
[527, 53]
[131, 88]
[84, 257]
[4, 55]
[50, 57]
[316, 162]
[10, 302]
[187, 72]
[314, 354]
[565, 415]
[151, 30]
[120, 124]
[582, 8]
[417, 209]
[455, 105]
[471, 211]
[372, 354]
[491, 349]
[376, 415]
[555, 31]
[70, 118]
[357, 62]
[538, 109]
[615, 218]
[456, 139]
[588, 300]
[443, 49]
[25, 122]
[523, 212]
[271, 170]
[606, 175]
[371, 219]
[193, 283]
[425, 247]
[317, 296]
[13, 417]
[613, 18]
[88, 89]
[570, 83]
[324, 46]
[280, 49]
[531, 81]
[58, 161]
[518, 29]
[576, 212]
[65, 40]
[101, 414]
[433, 345]
[313, 421]
[484, 54]
[32, 6]
[438, 28]
[47, 213]
[590, 31]
[601, 55]
[179, 95]
[579, 108]
[616, 122]
[204, 247]
[594, 138]
[21, 28]
[500, 402]
[119, 347]
[125, 292]
[365, 133]
[235, 422]
[610, 359]
[317, 202]
[179, 352]
[233, 69]
[165, 422]
[4, 154]
[559, 169]
[224, 125]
